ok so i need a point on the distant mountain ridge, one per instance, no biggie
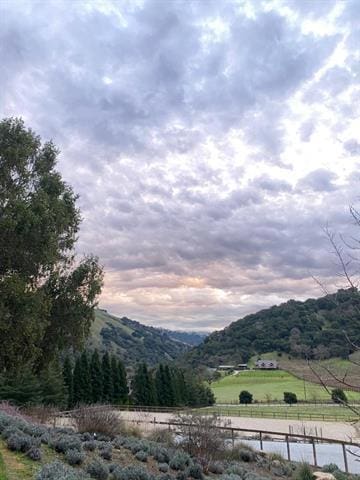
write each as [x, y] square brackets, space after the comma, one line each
[134, 342]
[315, 329]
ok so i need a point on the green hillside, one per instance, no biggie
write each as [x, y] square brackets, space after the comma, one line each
[312, 329]
[132, 341]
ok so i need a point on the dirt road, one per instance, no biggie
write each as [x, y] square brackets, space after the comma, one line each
[333, 430]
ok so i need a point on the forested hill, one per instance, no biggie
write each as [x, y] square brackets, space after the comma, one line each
[311, 329]
[134, 342]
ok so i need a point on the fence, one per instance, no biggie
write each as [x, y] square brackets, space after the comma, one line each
[254, 434]
[262, 435]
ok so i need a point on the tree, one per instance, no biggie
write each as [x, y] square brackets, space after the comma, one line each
[52, 385]
[23, 388]
[96, 377]
[143, 386]
[122, 383]
[290, 398]
[78, 394]
[245, 397]
[47, 296]
[68, 381]
[338, 396]
[108, 388]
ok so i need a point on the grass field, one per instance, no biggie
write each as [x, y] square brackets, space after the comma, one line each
[295, 412]
[269, 385]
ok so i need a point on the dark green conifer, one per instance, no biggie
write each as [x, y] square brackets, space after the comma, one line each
[122, 380]
[52, 385]
[69, 381]
[107, 378]
[96, 378]
[143, 387]
[77, 383]
[85, 378]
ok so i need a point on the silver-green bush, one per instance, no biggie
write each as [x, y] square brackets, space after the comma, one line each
[98, 469]
[74, 457]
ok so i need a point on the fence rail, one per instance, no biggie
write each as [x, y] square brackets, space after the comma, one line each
[255, 434]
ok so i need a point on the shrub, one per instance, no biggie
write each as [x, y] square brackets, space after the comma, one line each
[290, 398]
[20, 443]
[34, 454]
[216, 467]
[236, 469]
[106, 452]
[181, 476]
[74, 457]
[200, 436]
[330, 468]
[180, 460]
[163, 467]
[63, 443]
[99, 419]
[10, 430]
[338, 396]
[245, 455]
[231, 476]
[141, 455]
[132, 472]
[164, 476]
[195, 471]
[162, 436]
[98, 469]
[119, 441]
[161, 455]
[59, 471]
[45, 438]
[89, 445]
[245, 397]
[303, 472]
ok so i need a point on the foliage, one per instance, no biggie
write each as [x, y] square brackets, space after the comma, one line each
[312, 329]
[290, 398]
[201, 437]
[64, 442]
[143, 387]
[245, 397]
[132, 472]
[141, 456]
[303, 472]
[338, 396]
[74, 457]
[163, 467]
[180, 460]
[34, 454]
[99, 419]
[59, 471]
[46, 299]
[98, 469]
[195, 471]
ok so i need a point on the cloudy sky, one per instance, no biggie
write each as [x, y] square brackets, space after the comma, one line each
[210, 141]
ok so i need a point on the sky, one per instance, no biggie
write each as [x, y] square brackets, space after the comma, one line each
[210, 143]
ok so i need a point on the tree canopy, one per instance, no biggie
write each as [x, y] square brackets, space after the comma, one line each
[47, 295]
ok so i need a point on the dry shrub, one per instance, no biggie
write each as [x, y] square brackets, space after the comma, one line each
[13, 411]
[201, 436]
[43, 414]
[100, 419]
[162, 435]
[133, 430]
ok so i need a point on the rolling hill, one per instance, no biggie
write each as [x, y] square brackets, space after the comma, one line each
[134, 342]
[312, 329]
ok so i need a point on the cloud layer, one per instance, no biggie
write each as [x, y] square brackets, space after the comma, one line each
[209, 142]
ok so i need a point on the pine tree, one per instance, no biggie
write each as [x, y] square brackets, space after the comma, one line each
[22, 388]
[52, 385]
[69, 381]
[107, 378]
[96, 378]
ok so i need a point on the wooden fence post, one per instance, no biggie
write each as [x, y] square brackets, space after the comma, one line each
[345, 458]
[288, 447]
[261, 441]
[314, 452]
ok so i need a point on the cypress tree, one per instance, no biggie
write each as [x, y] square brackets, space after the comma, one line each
[85, 378]
[143, 386]
[96, 378]
[68, 381]
[122, 380]
[115, 397]
[77, 383]
[107, 378]
[160, 385]
[169, 389]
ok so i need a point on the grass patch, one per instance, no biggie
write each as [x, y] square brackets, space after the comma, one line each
[273, 383]
[2, 469]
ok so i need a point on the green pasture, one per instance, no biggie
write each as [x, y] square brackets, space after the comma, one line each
[269, 385]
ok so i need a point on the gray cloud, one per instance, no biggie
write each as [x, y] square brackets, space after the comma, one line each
[169, 120]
